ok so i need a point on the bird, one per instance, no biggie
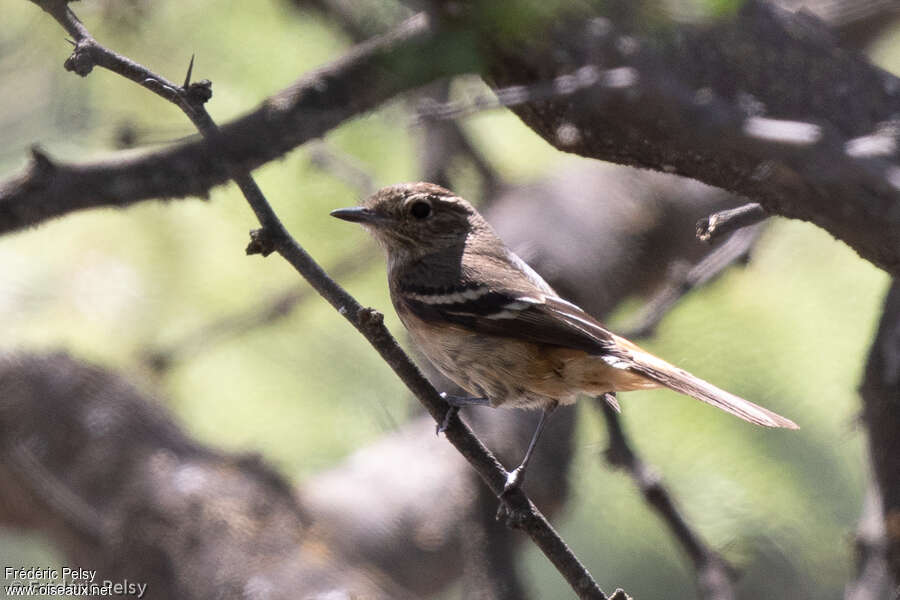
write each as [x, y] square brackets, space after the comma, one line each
[493, 326]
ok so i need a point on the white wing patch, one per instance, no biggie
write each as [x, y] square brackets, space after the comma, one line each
[616, 362]
[451, 298]
[511, 310]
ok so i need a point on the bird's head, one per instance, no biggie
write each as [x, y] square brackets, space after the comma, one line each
[411, 220]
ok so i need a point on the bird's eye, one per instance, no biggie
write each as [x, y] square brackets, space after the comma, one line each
[420, 209]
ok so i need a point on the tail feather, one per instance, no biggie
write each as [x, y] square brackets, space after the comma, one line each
[651, 367]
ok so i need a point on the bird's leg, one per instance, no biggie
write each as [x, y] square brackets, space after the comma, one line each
[457, 402]
[516, 477]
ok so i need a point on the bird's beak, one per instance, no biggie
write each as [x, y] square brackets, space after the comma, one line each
[357, 214]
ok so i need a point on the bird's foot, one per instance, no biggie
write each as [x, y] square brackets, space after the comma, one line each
[456, 402]
[445, 422]
[513, 517]
[514, 480]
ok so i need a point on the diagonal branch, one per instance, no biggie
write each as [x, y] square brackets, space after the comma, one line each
[715, 577]
[273, 237]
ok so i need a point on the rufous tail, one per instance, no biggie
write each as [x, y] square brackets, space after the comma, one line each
[642, 362]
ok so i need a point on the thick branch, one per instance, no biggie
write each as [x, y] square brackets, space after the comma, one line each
[764, 104]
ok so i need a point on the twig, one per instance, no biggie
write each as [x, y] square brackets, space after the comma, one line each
[726, 221]
[682, 279]
[715, 577]
[272, 309]
[273, 237]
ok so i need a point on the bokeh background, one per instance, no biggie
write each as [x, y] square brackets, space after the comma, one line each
[790, 330]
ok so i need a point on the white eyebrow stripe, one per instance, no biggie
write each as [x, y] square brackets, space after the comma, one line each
[451, 298]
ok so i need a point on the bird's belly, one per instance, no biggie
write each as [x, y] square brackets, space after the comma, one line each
[507, 371]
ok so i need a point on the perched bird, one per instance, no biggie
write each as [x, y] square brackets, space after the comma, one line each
[492, 325]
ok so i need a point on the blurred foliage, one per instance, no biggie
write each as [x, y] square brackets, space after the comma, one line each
[790, 331]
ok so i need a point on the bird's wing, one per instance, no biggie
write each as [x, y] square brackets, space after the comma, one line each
[527, 314]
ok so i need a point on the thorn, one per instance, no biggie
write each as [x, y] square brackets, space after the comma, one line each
[40, 161]
[187, 78]
[199, 92]
[72, 42]
[260, 243]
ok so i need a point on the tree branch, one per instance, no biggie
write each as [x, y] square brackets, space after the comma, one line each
[881, 411]
[704, 101]
[273, 237]
[726, 221]
[715, 577]
[372, 72]
[764, 104]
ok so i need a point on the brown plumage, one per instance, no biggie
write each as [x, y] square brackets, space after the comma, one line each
[494, 326]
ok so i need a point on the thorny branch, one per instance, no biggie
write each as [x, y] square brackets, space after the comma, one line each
[273, 237]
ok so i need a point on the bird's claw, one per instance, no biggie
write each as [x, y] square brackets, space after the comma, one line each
[505, 512]
[514, 480]
[445, 422]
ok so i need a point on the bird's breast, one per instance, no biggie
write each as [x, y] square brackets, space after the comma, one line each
[507, 371]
